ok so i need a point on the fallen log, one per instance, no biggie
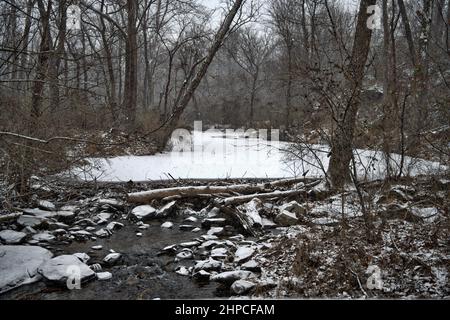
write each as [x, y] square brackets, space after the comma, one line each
[268, 195]
[147, 196]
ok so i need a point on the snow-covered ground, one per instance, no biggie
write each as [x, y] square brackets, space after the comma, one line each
[218, 155]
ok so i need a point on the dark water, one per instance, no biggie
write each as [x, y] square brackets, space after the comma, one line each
[141, 274]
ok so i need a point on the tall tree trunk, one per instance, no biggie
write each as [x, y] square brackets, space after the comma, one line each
[131, 60]
[57, 56]
[342, 140]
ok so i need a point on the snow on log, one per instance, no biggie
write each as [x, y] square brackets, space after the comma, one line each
[147, 196]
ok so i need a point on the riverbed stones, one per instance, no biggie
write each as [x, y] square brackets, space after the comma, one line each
[12, 237]
[286, 218]
[202, 275]
[19, 264]
[60, 268]
[241, 287]
[97, 247]
[103, 233]
[143, 212]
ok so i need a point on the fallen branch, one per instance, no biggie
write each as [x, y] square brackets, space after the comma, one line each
[147, 196]
[269, 195]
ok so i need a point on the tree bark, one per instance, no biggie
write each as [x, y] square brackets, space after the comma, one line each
[131, 60]
[342, 140]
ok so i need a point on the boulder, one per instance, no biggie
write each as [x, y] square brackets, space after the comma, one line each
[286, 218]
[19, 264]
[166, 210]
[229, 277]
[112, 258]
[83, 257]
[60, 268]
[102, 276]
[43, 237]
[243, 254]
[32, 221]
[46, 205]
[241, 287]
[12, 237]
[208, 265]
[294, 207]
[167, 225]
[144, 212]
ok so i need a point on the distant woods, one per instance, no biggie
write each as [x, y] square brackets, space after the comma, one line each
[309, 67]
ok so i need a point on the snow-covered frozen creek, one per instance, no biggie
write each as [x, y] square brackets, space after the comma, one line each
[220, 155]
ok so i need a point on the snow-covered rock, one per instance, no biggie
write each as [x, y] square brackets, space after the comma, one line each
[185, 254]
[31, 221]
[242, 254]
[428, 214]
[112, 258]
[167, 225]
[208, 265]
[191, 219]
[231, 276]
[102, 276]
[219, 253]
[60, 268]
[12, 237]
[83, 257]
[241, 287]
[144, 212]
[182, 270]
[286, 218]
[43, 237]
[19, 264]
[46, 205]
[268, 224]
[216, 231]
[97, 247]
[251, 265]
[294, 207]
[166, 210]
[114, 226]
[202, 275]
[103, 233]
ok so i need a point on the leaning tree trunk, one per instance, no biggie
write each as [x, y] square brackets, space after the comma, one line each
[342, 140]
[203, 68]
